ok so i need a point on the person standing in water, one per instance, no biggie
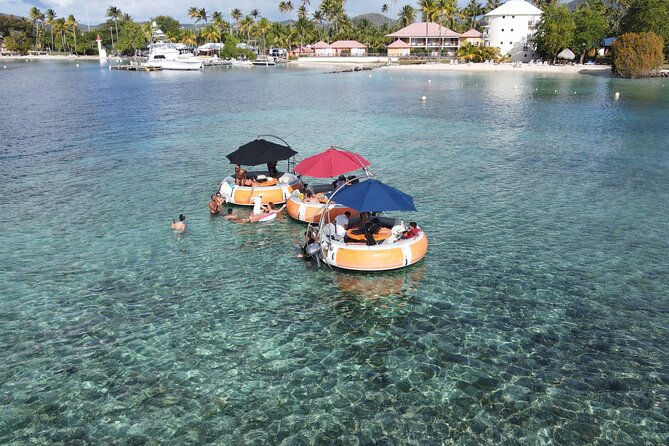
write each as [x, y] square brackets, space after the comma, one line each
[179, 226]
[214, 207]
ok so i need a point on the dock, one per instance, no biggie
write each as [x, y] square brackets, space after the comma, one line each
[135, 68]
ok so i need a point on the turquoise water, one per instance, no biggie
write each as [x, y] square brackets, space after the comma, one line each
[539, 316]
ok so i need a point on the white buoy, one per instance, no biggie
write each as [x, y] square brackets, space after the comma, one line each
[555, 91]
[574, 92]
[77, 65]
[424, 98]
[515, 87]
[4, 66]
[370, 76]
[429, 80]
[536, 89]
[616, 96]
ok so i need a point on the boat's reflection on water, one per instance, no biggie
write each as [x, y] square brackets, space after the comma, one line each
[381, 285]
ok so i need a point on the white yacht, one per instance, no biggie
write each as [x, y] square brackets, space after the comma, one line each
[170, 56]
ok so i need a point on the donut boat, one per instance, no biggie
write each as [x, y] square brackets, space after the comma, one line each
[390, 252]
[312, 212]
[269, 190]
[373, 242]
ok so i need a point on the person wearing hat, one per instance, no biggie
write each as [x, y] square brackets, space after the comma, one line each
[339, 182]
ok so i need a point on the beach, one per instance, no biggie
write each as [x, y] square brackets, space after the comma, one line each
[506, 67]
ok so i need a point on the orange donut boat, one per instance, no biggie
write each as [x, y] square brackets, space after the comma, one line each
[392, 253]
[309, 212]
[275, 191]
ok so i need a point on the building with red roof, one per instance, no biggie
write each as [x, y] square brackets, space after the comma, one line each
[348, 48]
[428, 36]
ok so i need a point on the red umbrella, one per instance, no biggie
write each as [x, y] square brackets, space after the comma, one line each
[331, 163]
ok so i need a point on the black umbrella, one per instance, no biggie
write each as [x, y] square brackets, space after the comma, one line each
[260, 151]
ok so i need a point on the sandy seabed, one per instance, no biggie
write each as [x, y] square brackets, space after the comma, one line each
[483, 67]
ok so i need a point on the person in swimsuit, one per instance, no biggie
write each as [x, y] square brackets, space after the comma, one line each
[271, 169]
[230, 215]
[240, 176]
[214, 208]
[179, 226]
[310, 198]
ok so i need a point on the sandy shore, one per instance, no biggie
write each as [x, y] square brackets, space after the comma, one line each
[601, 70]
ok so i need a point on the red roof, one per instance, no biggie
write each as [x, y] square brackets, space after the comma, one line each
[399, 44]
[344, 44]
[320, 45]
[472, 33]
[418, 30]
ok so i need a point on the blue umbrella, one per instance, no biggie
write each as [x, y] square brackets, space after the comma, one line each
[373, 196]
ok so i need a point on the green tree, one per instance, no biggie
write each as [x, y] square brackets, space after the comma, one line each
[407, 15]
[473, 10]
[50, 18]
[71, 23]
[115, 14]
[591, 26]
[492, 4]
[285, 7]
[236, 14]
[637, 55]
[18, 41]
[167, 24]
[648, 16]
[555, 31]
[37, 18]
[131, 38]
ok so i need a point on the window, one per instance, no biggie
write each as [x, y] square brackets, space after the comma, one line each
[511, 29]
[525, 56]
[513, 16]
[503, 16]
[502, 29]
[501, 43]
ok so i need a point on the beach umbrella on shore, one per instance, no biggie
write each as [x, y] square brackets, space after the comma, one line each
[260, 151]
[566, 54]
[373, 196]
[331, 163]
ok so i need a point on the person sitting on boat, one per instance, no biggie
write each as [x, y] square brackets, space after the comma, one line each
[412, 231]
[214, 208]
[179, 226]
[339, 182]
[309, 197]
[352, 179]
[240, 177]
[271, 169]
[341, 223]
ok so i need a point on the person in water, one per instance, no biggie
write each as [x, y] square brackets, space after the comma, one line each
[220, 201]
[230, 215]
[214, 207]
[179, 226]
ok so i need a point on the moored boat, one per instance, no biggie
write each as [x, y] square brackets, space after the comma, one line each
[372, 242]
[270, 186]
[335, 161]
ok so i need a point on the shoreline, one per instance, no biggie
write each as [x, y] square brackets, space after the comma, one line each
[599, 70]
[56, 57]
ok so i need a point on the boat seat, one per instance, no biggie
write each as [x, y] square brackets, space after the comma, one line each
[319, 188]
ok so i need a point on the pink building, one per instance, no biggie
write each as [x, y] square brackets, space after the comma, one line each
[472, 36]
[399, 48]
[348, 48]
[428, 36]
[322, 49]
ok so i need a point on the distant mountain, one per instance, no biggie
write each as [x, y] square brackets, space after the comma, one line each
[572, 5]
[374, 17]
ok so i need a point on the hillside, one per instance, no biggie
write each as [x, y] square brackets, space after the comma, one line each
[374, 17]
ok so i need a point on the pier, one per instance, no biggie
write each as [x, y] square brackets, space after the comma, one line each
[135, 68]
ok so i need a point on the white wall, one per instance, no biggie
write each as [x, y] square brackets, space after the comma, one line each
[510, 35]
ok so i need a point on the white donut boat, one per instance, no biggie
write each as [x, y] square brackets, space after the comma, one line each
[391, 252]
[309, 212]
[276, 191]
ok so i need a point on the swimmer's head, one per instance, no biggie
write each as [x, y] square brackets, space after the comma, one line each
[229, 211]
[182, 217]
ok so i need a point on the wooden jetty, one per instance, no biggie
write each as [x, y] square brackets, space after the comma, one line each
[135, 68]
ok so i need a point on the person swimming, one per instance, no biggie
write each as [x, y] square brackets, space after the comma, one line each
[230, 215]
[179, 226]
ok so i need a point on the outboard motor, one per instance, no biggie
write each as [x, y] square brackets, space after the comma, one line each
[313, 250]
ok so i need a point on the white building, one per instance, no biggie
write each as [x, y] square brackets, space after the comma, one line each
[511, 28]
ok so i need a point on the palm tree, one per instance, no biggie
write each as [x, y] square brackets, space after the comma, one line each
[71, 23]
[245, 26]
[492, 4]
[202, 15]
[285, 7]
[444, 8]
[255, 14]
[428, 9]
[319, 18]
[60, 27]
[193, 13]
[210, 33]
[473, 10]
[37, 17]
[220, 24]
[188, 37]
[114, 13]
[50, 18]
[236, 14]
[384, 8]
[407, 15]
[264, 26]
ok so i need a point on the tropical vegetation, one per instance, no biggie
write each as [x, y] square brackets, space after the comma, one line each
[581, 30]
[637, 55]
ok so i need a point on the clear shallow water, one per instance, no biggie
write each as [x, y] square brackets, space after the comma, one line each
[539, 316]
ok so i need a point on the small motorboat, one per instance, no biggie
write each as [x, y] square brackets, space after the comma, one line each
[271, 186]
[372, 242]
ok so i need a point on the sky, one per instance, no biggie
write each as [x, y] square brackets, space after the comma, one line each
[93, 11]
